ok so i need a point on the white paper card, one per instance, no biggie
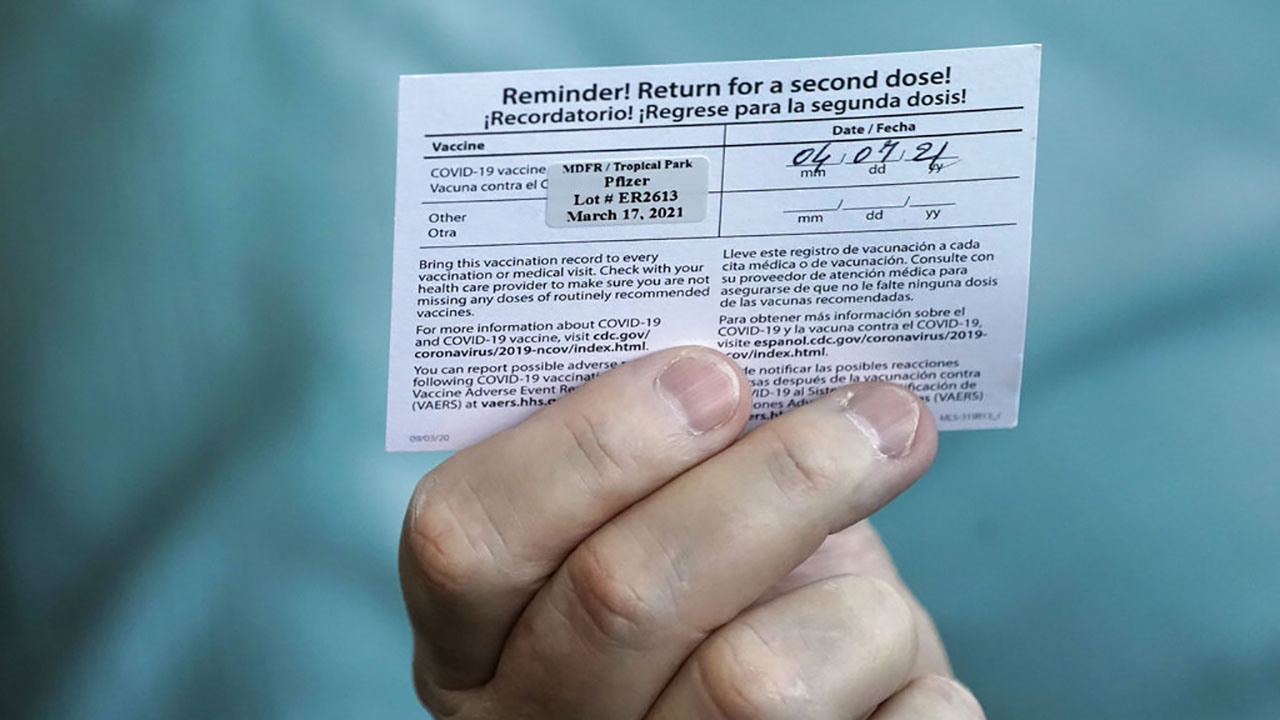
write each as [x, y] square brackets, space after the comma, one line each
[822, 221]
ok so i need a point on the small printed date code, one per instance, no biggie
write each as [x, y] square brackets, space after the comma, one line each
[431, 438]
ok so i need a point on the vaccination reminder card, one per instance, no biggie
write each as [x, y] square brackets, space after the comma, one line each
[821, 221]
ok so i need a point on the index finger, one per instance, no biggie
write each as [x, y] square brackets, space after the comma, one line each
[490, 524]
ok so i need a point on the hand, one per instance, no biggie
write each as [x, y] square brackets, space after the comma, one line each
[623, 554]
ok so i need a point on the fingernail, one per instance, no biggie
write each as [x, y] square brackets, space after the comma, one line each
[704, 390]
[887, 415]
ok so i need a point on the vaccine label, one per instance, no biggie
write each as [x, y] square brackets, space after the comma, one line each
[627, 191]
[822, 221]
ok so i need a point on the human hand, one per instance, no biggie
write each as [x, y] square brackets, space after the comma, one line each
[624, 554]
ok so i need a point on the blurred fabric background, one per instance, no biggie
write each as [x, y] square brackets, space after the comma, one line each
[195, 245]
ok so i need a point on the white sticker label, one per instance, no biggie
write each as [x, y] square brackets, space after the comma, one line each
[821, 221]
[626, 192]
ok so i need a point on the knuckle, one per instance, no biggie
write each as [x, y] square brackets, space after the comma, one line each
[599, 457]
[451, 560]
[879, 616]
[743, 679]
[941, 692]
[798, 463]
[428, 694]
[885, 613]
[623, 605]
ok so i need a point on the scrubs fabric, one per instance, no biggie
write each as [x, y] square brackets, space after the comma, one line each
[199, 520]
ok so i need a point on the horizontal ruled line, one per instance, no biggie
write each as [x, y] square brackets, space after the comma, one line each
[753, 190]
[871, 185]
[713, 146]
[717, 237]
[481, 200]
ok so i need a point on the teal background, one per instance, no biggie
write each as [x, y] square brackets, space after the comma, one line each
[195, 246]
